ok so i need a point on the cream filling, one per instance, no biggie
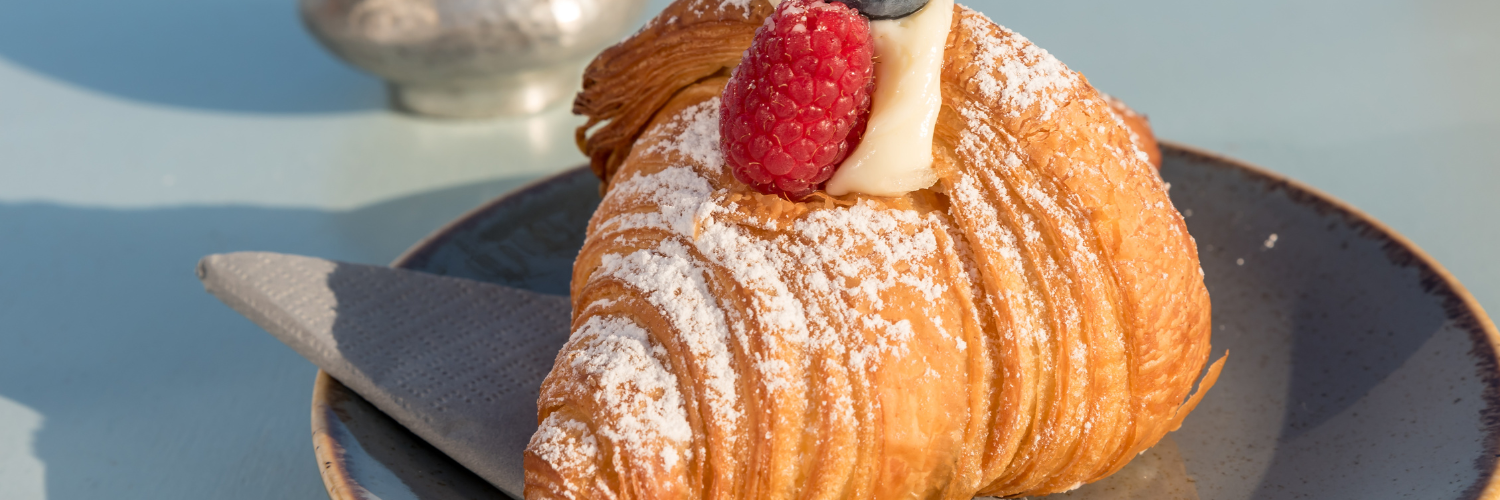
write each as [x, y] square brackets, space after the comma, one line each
[895, 156]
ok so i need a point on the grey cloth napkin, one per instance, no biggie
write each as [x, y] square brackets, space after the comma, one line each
[459, 362]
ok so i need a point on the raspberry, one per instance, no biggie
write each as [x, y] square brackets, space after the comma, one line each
[798, 102]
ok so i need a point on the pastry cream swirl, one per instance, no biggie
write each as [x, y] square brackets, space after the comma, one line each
[895, 156]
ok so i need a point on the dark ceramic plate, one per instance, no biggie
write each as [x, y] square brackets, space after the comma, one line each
[1360, 368]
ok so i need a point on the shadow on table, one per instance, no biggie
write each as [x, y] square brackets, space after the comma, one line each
[226, 55]
[147, 387]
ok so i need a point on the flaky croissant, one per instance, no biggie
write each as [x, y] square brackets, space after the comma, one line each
[1029, 324]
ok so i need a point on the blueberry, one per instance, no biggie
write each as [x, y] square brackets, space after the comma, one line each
[885, 9]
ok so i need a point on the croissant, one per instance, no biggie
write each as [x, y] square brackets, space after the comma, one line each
[1029, 324]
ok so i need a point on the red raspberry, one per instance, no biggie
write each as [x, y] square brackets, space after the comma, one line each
[798, 102]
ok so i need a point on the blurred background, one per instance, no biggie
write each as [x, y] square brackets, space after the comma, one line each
[137, 136]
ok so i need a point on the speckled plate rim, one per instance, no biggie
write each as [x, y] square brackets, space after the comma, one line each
[1461, 305]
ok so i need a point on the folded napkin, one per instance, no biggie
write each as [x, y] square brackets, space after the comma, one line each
[459, 362]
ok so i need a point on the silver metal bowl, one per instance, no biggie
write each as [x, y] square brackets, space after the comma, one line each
[471, 58]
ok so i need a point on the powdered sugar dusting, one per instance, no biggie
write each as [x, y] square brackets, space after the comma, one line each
[743, 5]
[678, 193]
[649, 419]
[1013, 72]
[1003, 243]
[1135, 139]
[820, 280]
[829, 240]
[686, 206]
[567, 445]
[698, 136]
[674, 283]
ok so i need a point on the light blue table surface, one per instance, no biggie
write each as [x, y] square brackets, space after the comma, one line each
[137, 136]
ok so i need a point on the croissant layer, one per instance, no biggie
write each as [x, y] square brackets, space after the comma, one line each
[1029, 324]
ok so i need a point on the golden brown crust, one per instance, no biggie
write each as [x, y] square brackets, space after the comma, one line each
[1111, 249]
[688, 41]
[625, 86]
[1138, 124]
[1031, 323]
